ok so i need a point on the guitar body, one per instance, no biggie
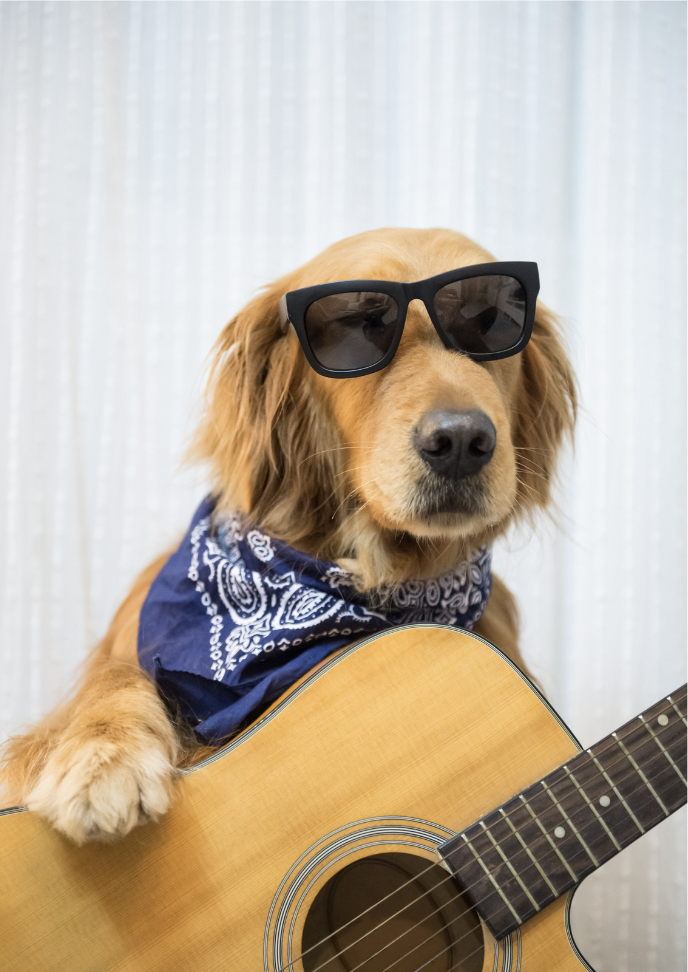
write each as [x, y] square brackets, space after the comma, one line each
[331, 801]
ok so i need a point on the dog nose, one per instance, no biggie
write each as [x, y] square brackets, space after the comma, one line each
[455, 444]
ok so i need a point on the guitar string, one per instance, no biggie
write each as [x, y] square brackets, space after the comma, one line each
[573, 789]
[467, 911]
[635, 791]
[418, 924]
[449, 877]
[453, 944]
[461, 959]
[434, 934]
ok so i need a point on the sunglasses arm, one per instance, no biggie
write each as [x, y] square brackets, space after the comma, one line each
[284, 314]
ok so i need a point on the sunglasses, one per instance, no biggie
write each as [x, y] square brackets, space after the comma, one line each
[353, 327]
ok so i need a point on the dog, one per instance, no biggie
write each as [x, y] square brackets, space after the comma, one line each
[338, 469]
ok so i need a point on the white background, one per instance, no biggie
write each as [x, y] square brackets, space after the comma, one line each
[160, 161]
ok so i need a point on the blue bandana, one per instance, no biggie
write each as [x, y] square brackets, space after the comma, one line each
[235, 617]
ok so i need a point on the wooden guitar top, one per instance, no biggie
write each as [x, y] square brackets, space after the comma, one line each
[424, 724]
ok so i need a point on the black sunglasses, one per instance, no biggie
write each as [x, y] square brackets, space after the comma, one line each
[353, 327]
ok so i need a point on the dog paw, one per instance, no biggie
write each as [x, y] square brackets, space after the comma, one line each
[101, 789]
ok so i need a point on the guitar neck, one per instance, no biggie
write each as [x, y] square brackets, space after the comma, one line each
[544, 841]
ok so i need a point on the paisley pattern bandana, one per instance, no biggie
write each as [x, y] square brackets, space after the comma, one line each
[235, 617]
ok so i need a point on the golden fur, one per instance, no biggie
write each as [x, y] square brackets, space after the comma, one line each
[327, 466]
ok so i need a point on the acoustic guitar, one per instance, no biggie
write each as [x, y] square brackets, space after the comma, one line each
[413, 804]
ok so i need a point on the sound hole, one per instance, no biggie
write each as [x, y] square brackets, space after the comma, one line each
[391, 912]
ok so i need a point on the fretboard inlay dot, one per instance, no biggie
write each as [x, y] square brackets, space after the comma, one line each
[663, 720]
[559, 832]
[605, 801]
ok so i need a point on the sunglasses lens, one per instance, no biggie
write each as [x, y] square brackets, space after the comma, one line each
[482, 314]
[351, 331]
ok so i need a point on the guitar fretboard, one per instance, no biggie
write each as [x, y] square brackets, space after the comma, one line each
[542, 842]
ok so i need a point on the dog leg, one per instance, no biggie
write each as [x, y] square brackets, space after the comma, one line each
[109, 764]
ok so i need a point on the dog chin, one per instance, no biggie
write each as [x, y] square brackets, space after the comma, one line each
[445, 527]
[450, 510]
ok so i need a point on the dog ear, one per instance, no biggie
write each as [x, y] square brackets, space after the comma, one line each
[545, 411]
[271, 453]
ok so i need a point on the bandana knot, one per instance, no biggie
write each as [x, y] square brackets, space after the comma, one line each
[235, 617]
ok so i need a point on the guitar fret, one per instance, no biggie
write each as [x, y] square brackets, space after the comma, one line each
[612, 818]
[646, 763]
[592, 806]
[641, 774]
[553, 845]
[501, 853]
[570, 823]
[510, 866]
[501, 876]
[630, 812]
[490, 876]
[663, 749]
[549, 875]
[573, 839]
[593, 844]
[518, 836]
[677, 710]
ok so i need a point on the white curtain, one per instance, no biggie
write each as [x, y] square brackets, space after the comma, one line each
[159, 161]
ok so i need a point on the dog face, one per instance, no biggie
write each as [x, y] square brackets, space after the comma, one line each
[400, 473]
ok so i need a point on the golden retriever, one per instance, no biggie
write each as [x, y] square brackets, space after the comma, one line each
[329, 467]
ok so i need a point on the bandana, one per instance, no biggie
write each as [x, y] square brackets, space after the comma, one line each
[235, 617]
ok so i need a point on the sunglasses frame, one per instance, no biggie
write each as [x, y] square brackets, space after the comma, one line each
[294, 305]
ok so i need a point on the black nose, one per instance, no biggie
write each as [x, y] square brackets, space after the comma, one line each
[455, 444]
